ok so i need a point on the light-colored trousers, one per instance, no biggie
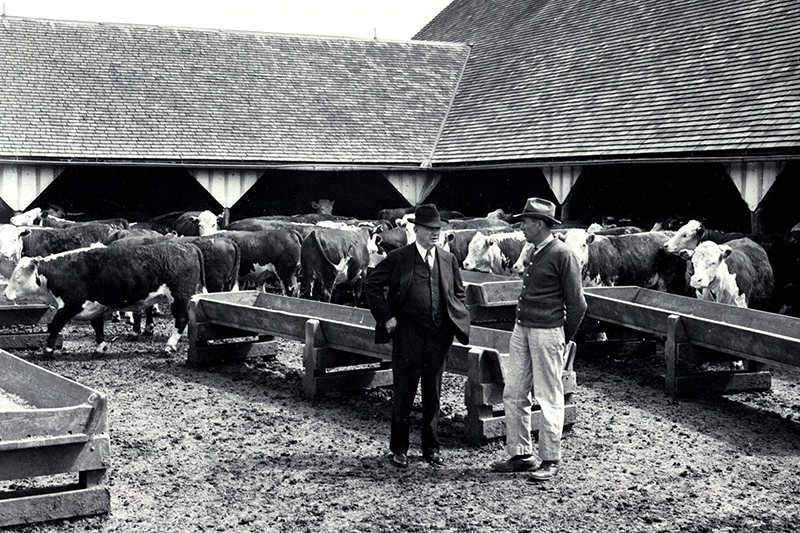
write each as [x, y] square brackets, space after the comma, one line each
[534, 369]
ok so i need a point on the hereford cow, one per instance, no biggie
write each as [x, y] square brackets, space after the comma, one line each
[268, 257]
[334, 259]
[457, 240]
[189, 223]
[782, 249]
[636, 259]
[495, 253]
[90, 282]
[40, 243]
[737, 273]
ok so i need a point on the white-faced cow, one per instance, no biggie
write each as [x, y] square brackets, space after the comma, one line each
[334, 259]
[90, 282]
[737, 273]
[782, 249]
[323, 206]
[494, 253]
[636, 259]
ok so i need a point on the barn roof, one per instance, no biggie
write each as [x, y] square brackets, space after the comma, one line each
[588, 80]
[90, 91]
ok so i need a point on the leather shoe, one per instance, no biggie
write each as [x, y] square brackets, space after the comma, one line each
[518, 463]
[547, 470]
[400, 460]
[435, 459]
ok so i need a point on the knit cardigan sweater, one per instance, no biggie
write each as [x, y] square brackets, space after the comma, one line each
[551, 294]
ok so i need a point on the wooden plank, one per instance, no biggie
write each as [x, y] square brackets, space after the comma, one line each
[51, 460]
[25, 341]
[65, 504]
[495, 427]
[722, 381]
[30, 423]
[38, 386]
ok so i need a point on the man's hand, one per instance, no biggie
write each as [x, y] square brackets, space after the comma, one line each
[390, 325]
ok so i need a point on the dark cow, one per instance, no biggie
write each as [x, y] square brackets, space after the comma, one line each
[90, 282]
[45, 218]
[334, 258]
[45, 242]
[737, 273]
[268, 256]
[636, 259]
[391, 239]
[221, 261]
[132, 233]
[270, 223]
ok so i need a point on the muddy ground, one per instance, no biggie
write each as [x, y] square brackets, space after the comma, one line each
[240, 449]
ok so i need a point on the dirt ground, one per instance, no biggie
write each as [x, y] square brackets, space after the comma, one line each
[238, 448]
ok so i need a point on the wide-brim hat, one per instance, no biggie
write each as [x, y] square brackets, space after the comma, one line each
[539, 208]
[427, 215]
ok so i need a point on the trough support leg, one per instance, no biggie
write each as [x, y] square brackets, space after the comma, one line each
[678, 380]
[484, 390]
[327, 369]
[211, 343]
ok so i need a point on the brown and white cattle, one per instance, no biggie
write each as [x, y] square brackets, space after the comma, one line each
[90, 282]
[636, 259]
[737, 273]
[333, 260]
[268, 257]
[495, 253]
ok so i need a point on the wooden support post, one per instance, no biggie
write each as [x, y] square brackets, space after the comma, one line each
[681, 356]
[484, 390]
[327, 369]
[211, 343]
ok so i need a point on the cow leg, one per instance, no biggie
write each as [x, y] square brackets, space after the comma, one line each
[148, 321]
[99, 334]
[179, 311]
[136, 321]
[60, 319]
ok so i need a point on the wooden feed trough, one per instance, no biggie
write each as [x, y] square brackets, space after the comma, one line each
[491, 299]
[698, 331]
[340, 351]
[60, 428]
[23, 324]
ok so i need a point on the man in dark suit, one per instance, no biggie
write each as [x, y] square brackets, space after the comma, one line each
[417, 298]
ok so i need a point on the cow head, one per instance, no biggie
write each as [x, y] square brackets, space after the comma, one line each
[578, 241]
[708, 264]
[686, 238]
[519, 266]
[482, 253]
[24, 280]
[323, 206]
[207, 223]
[28, 218]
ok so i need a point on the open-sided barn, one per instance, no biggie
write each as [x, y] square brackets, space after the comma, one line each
[641, 111]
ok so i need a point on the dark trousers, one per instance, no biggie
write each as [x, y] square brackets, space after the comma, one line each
[419, 354]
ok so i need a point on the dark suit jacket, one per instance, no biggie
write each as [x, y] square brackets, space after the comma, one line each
[395, 273]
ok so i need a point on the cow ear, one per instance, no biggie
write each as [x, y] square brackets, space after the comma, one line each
[561, 236]
[24, 232]
[726, 251]
[701, 230]
[315, 204]
[686, 254]
[449, 237]
[590, 238]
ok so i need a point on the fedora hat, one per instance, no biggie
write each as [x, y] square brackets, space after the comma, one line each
[427, 215]
[539, 208]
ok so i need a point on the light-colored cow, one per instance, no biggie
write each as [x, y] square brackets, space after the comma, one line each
[494, 253]
[737, 273]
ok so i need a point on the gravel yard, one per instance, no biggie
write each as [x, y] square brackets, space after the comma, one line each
[238, 448]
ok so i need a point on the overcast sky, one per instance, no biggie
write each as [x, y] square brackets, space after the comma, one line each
[389, 19]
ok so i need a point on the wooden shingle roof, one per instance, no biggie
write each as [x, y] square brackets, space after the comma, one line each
[560, 80]
[91, 91]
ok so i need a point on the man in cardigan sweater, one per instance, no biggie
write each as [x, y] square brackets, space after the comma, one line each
[417, 298]
[550, 309]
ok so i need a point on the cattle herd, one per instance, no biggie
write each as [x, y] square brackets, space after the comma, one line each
[90, 269]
